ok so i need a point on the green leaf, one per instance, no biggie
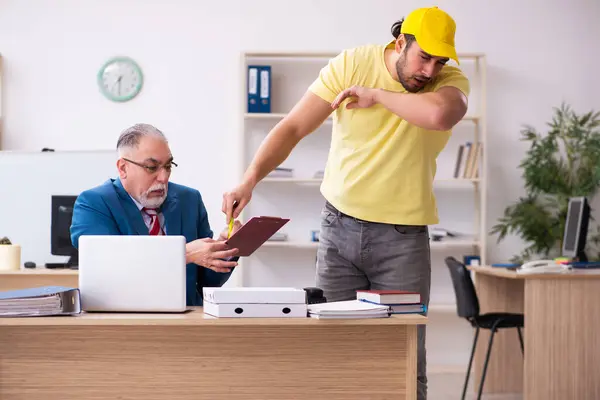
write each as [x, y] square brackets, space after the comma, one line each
[562, 163]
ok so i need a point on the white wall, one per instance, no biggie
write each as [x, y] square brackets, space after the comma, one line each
[189, 52]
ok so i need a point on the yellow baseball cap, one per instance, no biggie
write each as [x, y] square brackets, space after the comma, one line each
[434, 31]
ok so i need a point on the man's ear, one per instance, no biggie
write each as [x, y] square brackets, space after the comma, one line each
[121, 167]
[400, 43]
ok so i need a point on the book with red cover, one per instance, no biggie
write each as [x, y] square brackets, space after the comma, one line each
[389, 297]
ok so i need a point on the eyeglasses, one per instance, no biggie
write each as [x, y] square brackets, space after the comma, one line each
[152, 169]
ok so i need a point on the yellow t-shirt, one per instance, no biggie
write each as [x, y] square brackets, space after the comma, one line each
[380, 168]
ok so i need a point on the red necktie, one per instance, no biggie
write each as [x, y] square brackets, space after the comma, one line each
[154, 222]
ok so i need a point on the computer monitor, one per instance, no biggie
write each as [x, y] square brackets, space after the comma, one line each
[576, 229]
[60, 231]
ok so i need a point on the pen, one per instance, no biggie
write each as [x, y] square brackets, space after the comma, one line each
[231, 221]
[230, 228]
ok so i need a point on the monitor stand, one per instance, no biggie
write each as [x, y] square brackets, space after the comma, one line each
[581, 257]
[73, 262]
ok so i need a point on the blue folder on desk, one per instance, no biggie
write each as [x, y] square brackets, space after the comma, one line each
[40, 301]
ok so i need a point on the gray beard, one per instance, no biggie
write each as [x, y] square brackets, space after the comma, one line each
[153, 202]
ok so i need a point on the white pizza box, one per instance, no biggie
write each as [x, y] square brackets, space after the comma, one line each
[254, 295]
[249, 310]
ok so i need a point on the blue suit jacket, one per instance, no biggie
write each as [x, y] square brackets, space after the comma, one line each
[109, 210]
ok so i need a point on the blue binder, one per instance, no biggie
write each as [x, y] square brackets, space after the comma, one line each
[265, 89]
[253, 88]
[40, 301]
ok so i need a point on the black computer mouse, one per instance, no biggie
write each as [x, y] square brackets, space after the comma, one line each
[29, 264]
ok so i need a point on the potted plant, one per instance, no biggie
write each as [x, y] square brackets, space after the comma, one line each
[562, 163]
[10, 255]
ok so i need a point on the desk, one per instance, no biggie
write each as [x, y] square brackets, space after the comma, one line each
[193, 356]
[25, 278]
[561, 335]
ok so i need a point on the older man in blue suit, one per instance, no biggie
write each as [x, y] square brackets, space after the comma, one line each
[142, 201]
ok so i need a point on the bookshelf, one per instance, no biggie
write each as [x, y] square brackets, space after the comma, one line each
[461, 199]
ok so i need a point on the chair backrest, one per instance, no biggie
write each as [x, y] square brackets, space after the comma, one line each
[467, 304]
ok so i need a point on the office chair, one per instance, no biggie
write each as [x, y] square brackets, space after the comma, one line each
[467, 305]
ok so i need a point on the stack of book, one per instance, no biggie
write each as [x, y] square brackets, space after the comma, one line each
[255, 302]
[399, 301]
[348, 309]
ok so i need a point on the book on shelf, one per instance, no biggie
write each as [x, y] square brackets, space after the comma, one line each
[253, 84]
[264, 105]
[259, 89]
[458, 168]
[467, 160]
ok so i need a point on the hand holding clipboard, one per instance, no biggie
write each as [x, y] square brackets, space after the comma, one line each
[254, 234]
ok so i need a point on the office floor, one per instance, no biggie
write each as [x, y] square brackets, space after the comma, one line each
[448, 386]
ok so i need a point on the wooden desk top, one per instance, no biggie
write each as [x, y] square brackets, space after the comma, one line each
[502, 272]
[195, 317]
[41, 271]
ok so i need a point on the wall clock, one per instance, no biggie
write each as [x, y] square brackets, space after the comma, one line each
[120, 79]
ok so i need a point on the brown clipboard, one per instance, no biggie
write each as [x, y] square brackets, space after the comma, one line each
[254, 233]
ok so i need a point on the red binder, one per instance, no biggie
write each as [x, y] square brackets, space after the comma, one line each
[254, 233]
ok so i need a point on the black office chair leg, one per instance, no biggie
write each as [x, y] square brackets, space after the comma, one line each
[521, 340]
[487, 359]
[464, 392]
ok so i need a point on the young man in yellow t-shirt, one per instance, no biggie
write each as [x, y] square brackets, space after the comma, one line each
[394, 106]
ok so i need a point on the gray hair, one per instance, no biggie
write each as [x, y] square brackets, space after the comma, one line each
[130, 137]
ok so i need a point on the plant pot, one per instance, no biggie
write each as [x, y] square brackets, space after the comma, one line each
[10, 257]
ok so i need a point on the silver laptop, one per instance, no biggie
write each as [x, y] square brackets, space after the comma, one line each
[132, 273]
